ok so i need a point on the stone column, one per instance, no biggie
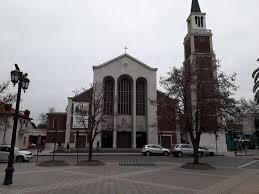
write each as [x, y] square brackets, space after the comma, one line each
[134, 116]
[115, 111]
[68, 124]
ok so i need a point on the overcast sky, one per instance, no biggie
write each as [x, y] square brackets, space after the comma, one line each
[57, 41]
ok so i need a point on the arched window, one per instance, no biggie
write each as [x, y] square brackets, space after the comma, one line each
[201, 21]
[196, 20]
[108, 95]
[124, 96]
[141, 96]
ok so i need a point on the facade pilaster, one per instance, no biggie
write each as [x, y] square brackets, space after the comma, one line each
[134, 115]
[115, 111]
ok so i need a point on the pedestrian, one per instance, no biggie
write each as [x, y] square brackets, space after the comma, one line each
[68, 148]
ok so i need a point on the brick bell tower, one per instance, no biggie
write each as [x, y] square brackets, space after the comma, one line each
[199, 67]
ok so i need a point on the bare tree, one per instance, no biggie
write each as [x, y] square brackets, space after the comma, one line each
[6, 97]
[212, 96]
[96, 120]
[174, 84]
[247, 110]
[43, 121]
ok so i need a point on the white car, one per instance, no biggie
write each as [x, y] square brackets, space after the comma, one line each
[208, 151]
[154, 149]
[180, 150]
[19, 155]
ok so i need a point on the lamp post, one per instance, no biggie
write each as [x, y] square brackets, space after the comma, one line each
[23, 83]
[255, 76]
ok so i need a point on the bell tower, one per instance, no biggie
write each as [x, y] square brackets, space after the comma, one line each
[197, 19]
[200, 66]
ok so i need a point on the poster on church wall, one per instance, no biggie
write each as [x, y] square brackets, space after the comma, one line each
[80, 115]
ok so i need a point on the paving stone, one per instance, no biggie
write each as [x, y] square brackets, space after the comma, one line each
[179, 179]
[164, 178]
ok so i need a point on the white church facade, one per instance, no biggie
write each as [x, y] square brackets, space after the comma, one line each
[133, 84]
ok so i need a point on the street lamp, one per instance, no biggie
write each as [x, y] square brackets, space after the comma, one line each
[23, 83]
[255, 76]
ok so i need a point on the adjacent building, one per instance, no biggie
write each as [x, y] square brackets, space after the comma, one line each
[245, 129]
[24, 126]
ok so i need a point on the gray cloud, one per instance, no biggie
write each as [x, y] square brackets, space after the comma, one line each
[58, 41]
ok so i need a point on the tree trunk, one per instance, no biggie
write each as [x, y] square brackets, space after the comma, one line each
[195, 143]
[90, 151]
[196, 159]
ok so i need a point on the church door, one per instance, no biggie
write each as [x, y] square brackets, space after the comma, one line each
[141, 139]
[107, 139]
[81, 141]
[166, 141]
[124, 139]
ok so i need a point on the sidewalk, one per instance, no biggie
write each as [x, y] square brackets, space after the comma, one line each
[253, 154]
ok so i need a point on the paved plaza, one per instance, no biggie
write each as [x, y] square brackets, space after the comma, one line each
[165, 177]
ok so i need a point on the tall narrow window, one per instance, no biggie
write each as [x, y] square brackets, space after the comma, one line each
[108, 95]
[124, 96]
[141, 96]
[55, 124]
[201, 21]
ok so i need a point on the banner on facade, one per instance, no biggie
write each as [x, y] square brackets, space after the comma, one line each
[80, 115]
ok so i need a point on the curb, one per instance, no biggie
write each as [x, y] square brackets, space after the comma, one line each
[95, 154]
[244, 155]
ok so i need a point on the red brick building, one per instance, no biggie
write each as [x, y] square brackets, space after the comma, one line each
[56, 127]
[168, 124]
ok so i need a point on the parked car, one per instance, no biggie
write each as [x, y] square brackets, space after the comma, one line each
[208, 151]
[180, 150]
[154, 149]
[19, 155]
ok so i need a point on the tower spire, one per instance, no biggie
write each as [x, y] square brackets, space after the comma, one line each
[195, 6]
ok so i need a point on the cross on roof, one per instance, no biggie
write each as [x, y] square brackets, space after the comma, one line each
[125, 48]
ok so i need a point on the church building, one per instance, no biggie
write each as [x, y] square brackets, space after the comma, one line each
[139, 113]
